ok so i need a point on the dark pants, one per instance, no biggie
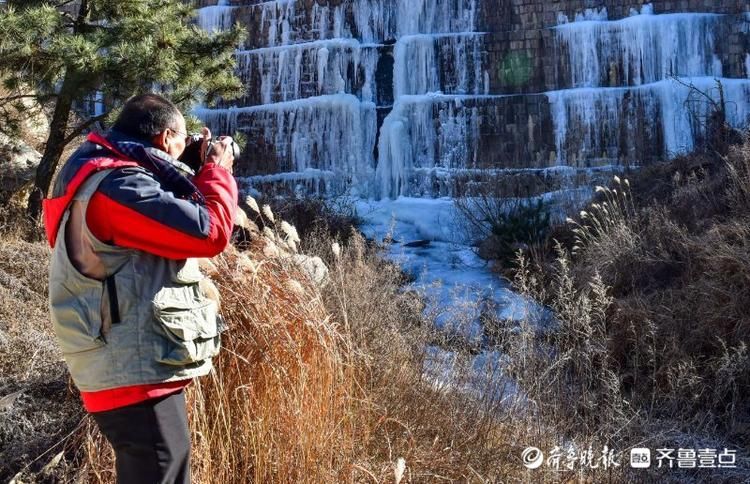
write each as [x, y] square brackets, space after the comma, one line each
[151, 440]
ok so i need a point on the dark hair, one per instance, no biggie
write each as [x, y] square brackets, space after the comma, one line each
[146, 115]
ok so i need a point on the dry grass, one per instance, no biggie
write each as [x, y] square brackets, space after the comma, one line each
[679, 274]
[442, 432]
[645, 346]
[37, 408]
[327, 384]
[648, 346]
[276, 409]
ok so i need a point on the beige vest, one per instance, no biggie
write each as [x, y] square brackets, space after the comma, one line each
[123, 316]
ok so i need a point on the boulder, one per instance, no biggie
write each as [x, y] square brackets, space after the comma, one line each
[314, 267]
[18, 162]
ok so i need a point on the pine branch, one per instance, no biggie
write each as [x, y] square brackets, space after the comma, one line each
[79, 129]
[83, 13]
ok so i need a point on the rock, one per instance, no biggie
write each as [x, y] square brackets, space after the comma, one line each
[314, 267]
[18, 162]
[246, 230]
[7, 401]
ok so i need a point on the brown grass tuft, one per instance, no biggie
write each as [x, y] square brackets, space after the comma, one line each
[37, 409]
[648, 342]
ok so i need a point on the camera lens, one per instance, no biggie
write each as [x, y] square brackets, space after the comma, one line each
[192, 138]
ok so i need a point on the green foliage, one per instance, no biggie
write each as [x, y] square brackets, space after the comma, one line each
[116, 48]
[502, 216]
[522, 223]
[503, 224]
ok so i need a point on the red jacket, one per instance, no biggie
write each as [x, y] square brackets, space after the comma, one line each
[131, 209]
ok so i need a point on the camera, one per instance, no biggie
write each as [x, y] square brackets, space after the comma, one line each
[192, 155]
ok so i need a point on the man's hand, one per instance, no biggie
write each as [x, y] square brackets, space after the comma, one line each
[219, 152]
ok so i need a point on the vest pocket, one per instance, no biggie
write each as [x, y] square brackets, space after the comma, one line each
[77, 316]
[189, 322]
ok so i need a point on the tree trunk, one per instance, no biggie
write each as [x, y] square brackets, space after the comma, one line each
[57, 130]
[54, 147]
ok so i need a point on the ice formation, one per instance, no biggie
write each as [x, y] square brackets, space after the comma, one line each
[215, 18]
[388, 98]
[640, 49]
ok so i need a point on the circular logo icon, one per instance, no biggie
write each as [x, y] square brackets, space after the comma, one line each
[532, 457]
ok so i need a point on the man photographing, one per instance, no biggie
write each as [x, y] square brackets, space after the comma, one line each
[126, 220]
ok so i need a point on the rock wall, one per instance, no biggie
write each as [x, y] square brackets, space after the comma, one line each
[524, 55]
[400, 97]
[554, 47]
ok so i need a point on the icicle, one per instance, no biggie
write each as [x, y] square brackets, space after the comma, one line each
[325, 64]
[322, 67]
[413, 148]
[449, 63]
[275, 19]
[329, 133]
[378, 20]
[644, 48]
[215, 18]
[394, 161]
[592, 115]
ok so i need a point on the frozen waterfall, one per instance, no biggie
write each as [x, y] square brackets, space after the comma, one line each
[644, 76]
[405, 104]
[640, 49]
[388, 98]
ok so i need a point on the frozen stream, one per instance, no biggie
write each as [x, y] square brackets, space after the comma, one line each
[428, 243]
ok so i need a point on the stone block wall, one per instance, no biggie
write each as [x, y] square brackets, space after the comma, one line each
[524, 57]
[525, 15]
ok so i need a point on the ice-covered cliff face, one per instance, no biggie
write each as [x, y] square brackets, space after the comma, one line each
[644, 67]
[392, 97]
[639, 49]
[313, 93]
